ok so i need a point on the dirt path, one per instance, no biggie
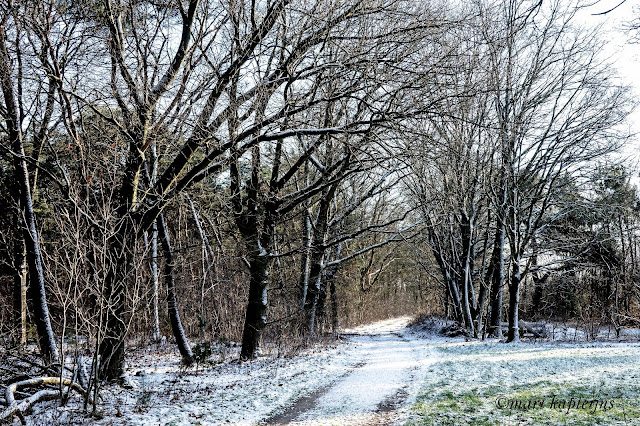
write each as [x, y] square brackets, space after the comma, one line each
[371, 379]
[391, 366]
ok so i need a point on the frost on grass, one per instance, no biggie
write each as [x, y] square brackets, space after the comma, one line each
[498, 384]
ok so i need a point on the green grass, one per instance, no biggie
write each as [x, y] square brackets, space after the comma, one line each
[496, 384]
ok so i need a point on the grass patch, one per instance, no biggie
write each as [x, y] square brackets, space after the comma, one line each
[497, 384]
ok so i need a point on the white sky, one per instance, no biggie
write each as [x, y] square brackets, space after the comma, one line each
[624, 54]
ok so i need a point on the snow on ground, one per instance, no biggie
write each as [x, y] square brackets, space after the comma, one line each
[382, 373]
[376, 370]
[491, 383]
[393, 361]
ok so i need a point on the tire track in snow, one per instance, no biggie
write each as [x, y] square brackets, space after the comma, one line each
[373, 391]
[306, 402]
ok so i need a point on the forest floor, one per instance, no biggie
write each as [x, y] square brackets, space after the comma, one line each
[379, 374]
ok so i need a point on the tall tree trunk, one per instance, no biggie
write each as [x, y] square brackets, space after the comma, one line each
[311, 307]
[306, 257]
[447, 314]
[208, 261]
[514, 301]
[467, 235]
[112, 346]
[155, 280]
[322, 302]
[314, 291]
[258, 243]
[20, 292]
[256, 315]
[172, 302]
[330, 284]
[466, 295]
[121, 245]
[538, 283]
[259, 246]
[306, 237]
[37, 291]
[479, 312]
[454, 297]
[451, 286]
[335, 320]
[153, 157]
[496, 275]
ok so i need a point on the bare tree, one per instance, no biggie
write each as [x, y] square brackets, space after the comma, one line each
[13, 114]
[450, 162]
[558, 106]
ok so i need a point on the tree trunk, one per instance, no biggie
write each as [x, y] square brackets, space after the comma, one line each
[451, 286]
[482, 299]
[172, 302]
[120, 251]
[538, 284]
[256, 316]
[313, 293]
[335, 321]
[330, 284]
[37, 291]
[321, 308]
[514, 300]
[306, 258]
[153, 157]
[206, 265]
[447, 314]
[154, 277]
[112, 346]
[20, 292]
[314, 290]
[496, 275]
[467, 235]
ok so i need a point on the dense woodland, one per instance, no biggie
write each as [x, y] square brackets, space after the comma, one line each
[266, 172]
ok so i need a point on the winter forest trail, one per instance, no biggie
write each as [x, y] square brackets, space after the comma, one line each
[386, 377]
[372, 377]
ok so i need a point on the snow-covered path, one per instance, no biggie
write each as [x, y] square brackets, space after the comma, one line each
[387, 376]
[383, 374]
[371, 378]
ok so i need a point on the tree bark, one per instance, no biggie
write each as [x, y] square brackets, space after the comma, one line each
[20, 291]
[514, 301]
[112, 346]
[306, 257]
[467, 235]
[449, 281]
[496, 275]
[153, 157]
[154, 277]
[37, 290]
[256, 315]
[172, 302]
[482, 300]
[331, 283]
[314, 291]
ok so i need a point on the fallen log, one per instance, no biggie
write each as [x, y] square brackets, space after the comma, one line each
[15, 407]
[536, 329]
